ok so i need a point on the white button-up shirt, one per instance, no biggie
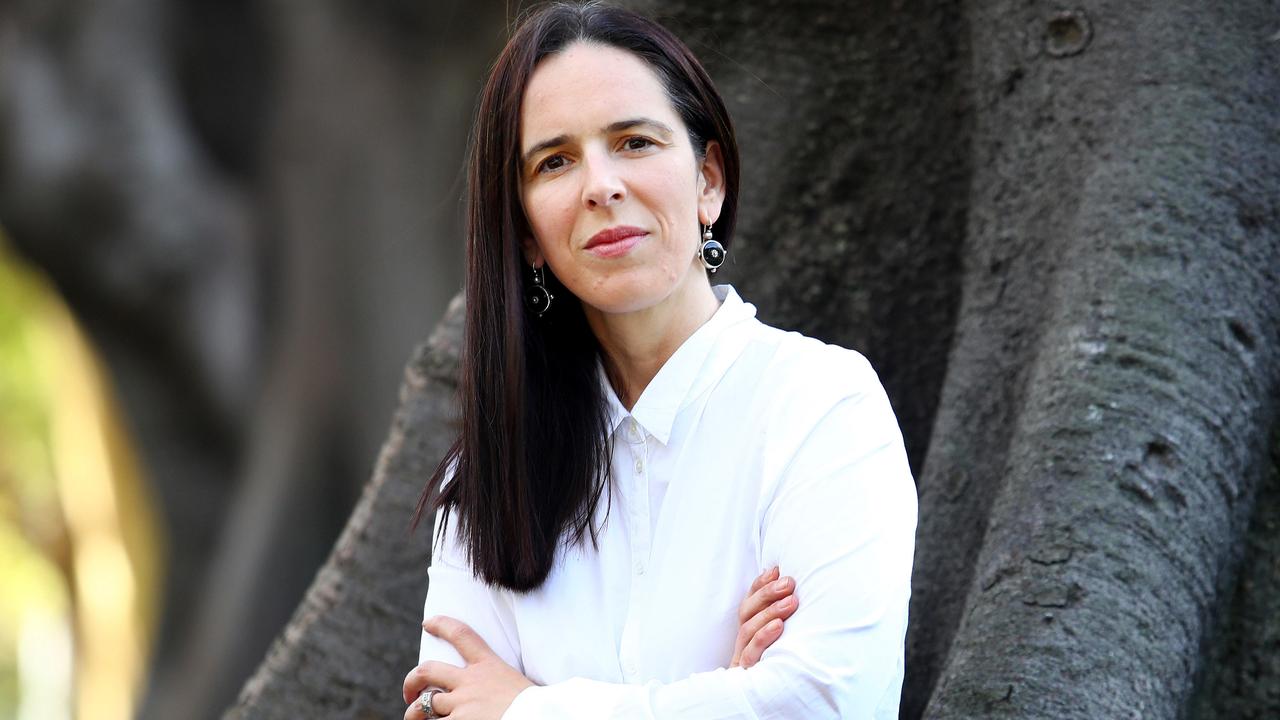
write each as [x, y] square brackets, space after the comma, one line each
[751, 447]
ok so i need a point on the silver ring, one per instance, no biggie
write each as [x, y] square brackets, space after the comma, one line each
[424, 703]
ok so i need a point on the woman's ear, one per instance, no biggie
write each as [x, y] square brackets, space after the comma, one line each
[711, 184]
[532, 253]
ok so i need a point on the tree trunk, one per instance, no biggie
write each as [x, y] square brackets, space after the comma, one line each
[1105, 419]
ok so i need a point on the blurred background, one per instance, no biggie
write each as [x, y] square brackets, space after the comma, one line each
[224, 225]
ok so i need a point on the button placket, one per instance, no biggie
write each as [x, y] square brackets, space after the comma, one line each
[640, 550]
[638, 510]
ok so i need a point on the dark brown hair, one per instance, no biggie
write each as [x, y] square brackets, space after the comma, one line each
[531, 461]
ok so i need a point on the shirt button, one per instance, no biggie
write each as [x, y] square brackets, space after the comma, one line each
[639, 466]
[639, 567]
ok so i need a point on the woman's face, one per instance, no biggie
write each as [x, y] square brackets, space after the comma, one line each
[603, 151]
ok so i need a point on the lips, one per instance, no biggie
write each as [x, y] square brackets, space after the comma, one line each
[613, 235]
[615, 241]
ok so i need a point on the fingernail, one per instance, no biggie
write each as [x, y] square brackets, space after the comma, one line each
[780, 584]
[785, 602]
[774, 625]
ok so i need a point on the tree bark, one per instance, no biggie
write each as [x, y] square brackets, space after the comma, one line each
[1129, 253]
[1241, 675]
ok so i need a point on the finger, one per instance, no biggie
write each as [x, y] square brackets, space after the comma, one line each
[768, 634]
[781, 609]
[466, 641]
[761, 598]
[761, 579]
[441, 705]
[430, 674]
[777, 610]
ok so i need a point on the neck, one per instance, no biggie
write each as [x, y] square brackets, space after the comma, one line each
[637, 344]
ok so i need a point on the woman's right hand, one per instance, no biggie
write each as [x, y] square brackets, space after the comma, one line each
[769, 602]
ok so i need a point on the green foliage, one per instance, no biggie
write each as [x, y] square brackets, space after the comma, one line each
[33, 590]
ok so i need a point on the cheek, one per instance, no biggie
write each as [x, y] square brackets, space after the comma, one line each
[549, 211]
[671, 197]
[669, 269]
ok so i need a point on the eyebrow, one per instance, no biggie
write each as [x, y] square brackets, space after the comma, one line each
[610, 128]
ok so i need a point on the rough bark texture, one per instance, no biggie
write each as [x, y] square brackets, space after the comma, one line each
[1242, 663]
[1105, 418]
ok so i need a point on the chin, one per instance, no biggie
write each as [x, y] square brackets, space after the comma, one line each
[621, 296]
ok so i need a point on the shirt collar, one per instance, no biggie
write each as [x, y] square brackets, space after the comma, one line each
[695, 365]
[614, 408]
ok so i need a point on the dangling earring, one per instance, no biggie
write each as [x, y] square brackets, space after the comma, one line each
[711, 251]
[538, 298]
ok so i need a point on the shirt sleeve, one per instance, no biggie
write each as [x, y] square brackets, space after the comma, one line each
[453, 590]
[841, 522]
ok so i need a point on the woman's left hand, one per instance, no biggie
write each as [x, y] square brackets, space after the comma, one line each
[483, 690]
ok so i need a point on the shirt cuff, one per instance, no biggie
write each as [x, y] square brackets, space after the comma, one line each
[573, 699]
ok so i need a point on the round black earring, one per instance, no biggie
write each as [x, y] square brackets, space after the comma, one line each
[537, 298]
[711, 251]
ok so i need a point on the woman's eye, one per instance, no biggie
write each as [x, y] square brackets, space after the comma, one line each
[637, 143]
[555, 162]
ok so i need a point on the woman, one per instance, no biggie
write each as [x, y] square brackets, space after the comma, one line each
[637, 451]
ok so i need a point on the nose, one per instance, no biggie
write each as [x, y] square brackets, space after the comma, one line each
[603, 185]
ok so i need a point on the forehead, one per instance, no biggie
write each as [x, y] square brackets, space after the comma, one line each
[584, 87]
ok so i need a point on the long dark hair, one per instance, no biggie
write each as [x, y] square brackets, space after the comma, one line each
[532, 457]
